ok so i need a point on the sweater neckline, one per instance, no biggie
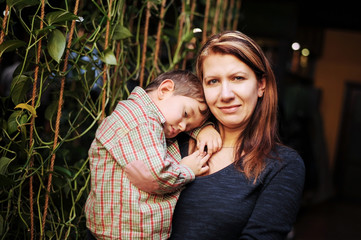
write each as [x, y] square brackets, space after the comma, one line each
[215, 174]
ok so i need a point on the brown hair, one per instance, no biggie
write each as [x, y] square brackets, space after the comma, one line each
[185, 84]
[260, 135]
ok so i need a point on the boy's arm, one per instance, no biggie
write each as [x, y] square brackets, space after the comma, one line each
[138, 176]
[194, 133]
[148, 165]
[207, 135]
[210, 137]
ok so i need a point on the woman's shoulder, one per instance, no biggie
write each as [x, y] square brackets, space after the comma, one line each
[284, 164]
[285, 152]
[286, 157]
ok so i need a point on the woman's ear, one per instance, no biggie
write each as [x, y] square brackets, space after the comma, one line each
[165, 88]
[261, 86]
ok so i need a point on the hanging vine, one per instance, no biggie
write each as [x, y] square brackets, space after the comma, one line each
[6, 14]
[205, 21]
[57, 126]
[216, 17]
[159, 35]
[69, 68]
[31, 138]
[145, 42]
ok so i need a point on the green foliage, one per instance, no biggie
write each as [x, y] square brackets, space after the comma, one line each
[56, 45]
[82, 105]
[19, 87]
[121, 33]
[10, 45]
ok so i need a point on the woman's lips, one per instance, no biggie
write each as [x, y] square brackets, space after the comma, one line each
[229, 109]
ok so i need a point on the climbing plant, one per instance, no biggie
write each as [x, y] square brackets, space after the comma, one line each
[64, 66]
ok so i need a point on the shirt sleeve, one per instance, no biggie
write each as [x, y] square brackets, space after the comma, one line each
[278, 204]
[147, 164]
[194, 133]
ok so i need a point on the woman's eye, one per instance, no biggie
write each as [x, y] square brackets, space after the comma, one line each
[212, 81]
[238, 78]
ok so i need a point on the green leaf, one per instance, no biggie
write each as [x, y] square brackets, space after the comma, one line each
[4, 163]
[51, 110]
[49, 234]
[63, 171]
[23, 119]
[121, 32]
[56, 45]
[44, 31]
[60, 16]
[10, 45]
[12, 125]
[19, 87]
[28, 107]
[188, 36]
[108, 57]
[20, 4]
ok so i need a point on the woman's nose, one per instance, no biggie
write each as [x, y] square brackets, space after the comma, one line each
[227, 91]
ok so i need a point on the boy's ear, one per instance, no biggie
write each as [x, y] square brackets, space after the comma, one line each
[165, 88]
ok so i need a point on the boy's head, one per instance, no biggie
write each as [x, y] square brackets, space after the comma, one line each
[179, 96]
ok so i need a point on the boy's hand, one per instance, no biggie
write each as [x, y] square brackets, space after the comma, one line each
[197, 162]
[208, 136]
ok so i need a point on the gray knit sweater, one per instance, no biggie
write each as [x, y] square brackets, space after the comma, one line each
[225, 205]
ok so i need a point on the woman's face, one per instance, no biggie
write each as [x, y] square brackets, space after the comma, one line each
[231, 89]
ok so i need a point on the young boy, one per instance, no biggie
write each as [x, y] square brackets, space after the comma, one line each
[132, 142]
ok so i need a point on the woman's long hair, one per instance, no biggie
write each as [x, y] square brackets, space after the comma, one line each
[261, 133]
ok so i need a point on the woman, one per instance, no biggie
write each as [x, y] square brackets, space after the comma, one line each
[254, 184]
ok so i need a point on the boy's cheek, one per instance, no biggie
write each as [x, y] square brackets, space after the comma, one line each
[201, 122]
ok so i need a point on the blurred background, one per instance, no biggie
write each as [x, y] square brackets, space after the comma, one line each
[314, 48]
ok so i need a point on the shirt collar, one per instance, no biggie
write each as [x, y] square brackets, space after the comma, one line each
[141, 96]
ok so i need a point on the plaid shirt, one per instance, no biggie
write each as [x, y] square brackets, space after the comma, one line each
[116, 208]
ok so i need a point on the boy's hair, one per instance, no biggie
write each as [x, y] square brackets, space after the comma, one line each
[186, 84]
